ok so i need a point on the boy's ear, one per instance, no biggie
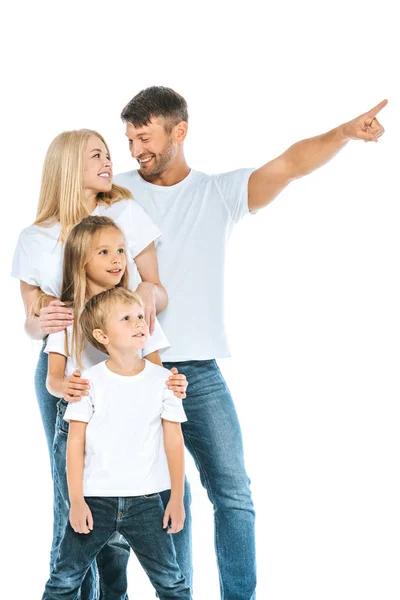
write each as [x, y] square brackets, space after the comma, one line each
[100, 336]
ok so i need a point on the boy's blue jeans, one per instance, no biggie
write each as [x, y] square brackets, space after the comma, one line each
[139, 520]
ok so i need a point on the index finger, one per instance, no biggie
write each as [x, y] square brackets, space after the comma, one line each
[374, 111]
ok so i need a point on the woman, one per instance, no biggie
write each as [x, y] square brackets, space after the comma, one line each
[77, 182]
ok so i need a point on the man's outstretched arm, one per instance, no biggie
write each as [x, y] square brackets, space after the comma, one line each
[308, 155]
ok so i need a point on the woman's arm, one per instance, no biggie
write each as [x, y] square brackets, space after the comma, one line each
[174, 449]
[70, 388]
[151, 290]
[80, 515]
[53, 317]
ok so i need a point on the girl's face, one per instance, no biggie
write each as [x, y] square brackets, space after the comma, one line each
[107, 260]
[97, 170]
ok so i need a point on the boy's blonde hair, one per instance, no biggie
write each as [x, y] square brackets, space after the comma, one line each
[97, 310]
[61, 193]
[74, 290]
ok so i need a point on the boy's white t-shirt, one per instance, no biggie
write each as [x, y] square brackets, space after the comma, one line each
[196, 217]
[124, 453]
[91, 356]
[38, 256]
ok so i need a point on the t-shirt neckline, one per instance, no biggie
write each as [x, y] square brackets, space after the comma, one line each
[120, 377]
[165, 188]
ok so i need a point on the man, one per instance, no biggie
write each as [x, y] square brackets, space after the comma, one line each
[195, 213]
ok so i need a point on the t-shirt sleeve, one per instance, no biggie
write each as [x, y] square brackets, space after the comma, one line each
[172, 409]
[139, 229]
[157, 341]
[82, 410]
[56, 343]
[22, 264]
[233, 187]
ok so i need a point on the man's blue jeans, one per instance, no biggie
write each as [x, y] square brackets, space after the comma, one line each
[109, 579]
[139, 520]
[213, 437]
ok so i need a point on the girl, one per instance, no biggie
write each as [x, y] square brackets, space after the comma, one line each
[94, 261]
[76, 182]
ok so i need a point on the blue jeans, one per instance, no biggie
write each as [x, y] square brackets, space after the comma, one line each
[213, 437]
[139, 520]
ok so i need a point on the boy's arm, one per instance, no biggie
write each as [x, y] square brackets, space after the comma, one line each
[174, 449]
[80, 516]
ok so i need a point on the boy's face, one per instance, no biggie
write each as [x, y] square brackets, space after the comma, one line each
[126, 327]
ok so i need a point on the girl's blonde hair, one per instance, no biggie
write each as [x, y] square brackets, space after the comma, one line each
[97, 310]
[61, 193]
[74, 291]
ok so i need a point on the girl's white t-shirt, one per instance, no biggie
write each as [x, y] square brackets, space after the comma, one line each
[124, 453]
[39, 253]
[91, 356]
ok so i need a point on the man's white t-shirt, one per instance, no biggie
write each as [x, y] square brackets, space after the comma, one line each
[39, 253]
[90, 355]
[124, 454]
[196, 217]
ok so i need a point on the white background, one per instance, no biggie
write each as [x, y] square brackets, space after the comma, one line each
[312, 281]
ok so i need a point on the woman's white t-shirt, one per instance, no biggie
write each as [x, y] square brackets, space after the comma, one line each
[39, 253]
[124, 453]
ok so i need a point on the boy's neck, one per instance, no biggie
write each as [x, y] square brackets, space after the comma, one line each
[126, 364]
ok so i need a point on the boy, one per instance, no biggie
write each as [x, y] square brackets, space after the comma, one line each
[116, 465]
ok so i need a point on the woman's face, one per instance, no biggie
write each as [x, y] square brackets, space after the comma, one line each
[97, 172]
[107, 260]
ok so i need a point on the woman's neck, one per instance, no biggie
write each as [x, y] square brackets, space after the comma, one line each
[90, 200]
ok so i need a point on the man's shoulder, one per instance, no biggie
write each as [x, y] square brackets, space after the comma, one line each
[126, 178]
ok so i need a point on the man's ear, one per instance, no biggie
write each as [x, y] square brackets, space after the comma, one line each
[180, 132]
[101, 337]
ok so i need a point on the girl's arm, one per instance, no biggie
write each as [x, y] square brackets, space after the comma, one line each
[70, 388]
[44, 314]
[80, 515]
[174, 449]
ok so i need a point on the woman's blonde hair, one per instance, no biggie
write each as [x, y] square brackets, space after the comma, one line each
[61, 193]
[97, 310]
[74, 290]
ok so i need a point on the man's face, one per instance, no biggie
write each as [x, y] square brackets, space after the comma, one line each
[152, 147]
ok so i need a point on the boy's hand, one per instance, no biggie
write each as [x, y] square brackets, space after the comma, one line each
[80, 517]
[177, 383]
[74, 387]
[175, 512]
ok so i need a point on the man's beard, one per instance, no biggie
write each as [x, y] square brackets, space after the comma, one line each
[161, 161]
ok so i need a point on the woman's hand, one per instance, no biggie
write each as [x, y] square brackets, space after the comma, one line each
[74, 388]
[80, 517]
[174, 512]
[177, 383]
[55, 317]
[147, 292]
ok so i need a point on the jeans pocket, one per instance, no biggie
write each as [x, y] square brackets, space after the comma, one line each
[151, 496]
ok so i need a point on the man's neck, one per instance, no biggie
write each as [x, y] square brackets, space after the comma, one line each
[171, 176]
